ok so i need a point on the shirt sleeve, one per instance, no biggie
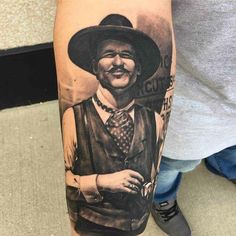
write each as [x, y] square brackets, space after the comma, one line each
[86, 184]
[69, 138]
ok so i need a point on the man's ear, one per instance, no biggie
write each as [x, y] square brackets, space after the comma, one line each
[139, 68]
[94, 66]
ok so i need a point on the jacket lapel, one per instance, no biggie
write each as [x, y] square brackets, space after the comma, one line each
[102, 136]
[139, 139]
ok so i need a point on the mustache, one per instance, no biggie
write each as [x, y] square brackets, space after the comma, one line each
[115, 68]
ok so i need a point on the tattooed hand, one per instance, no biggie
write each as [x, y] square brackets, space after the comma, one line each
[128, 181]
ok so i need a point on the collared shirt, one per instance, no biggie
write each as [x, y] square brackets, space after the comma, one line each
[104, 114]
[87, 184]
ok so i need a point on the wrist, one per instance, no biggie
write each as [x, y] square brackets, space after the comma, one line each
[89, 187]
[100, 182]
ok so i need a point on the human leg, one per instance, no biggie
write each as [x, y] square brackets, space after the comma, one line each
[165, 210]
[223, 163]
[169, 177]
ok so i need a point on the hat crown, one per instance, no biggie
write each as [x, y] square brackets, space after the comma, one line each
[116, 20]
[83, 45]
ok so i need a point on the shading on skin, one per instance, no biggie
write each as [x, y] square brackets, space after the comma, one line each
[117, 70]
[117, 67]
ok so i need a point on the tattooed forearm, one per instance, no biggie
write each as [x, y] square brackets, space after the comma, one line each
[111, 122]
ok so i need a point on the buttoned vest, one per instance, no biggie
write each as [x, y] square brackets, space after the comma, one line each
[98, 153]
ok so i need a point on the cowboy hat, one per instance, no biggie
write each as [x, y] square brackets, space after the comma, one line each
[82, 46]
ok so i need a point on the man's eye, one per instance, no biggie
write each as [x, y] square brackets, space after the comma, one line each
[109, 55]
[127, 55]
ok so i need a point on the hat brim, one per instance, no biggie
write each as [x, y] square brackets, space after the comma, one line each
[82, 47]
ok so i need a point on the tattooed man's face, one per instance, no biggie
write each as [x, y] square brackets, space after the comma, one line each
[116, 66]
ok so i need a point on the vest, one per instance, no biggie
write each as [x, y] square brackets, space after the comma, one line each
[98, 153]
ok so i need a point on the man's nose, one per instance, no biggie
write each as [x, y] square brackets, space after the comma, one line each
[117, 60]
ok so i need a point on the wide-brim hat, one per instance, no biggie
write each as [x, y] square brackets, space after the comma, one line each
[82, 46]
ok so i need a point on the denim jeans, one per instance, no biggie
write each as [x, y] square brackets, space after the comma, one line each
[169, 177]
[223, 163]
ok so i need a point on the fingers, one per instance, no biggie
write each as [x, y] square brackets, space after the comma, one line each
[130, 187]
[135, 182]
[128, 181]
[130, 190]
[135, 175]
[134, 187]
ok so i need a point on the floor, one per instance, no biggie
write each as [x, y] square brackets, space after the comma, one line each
[32, 198]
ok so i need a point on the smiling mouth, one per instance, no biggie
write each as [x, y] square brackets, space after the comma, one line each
[118, 73]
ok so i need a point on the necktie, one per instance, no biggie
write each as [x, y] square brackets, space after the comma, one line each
[120, 125]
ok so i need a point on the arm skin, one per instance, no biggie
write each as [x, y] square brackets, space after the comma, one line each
[76, 85]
